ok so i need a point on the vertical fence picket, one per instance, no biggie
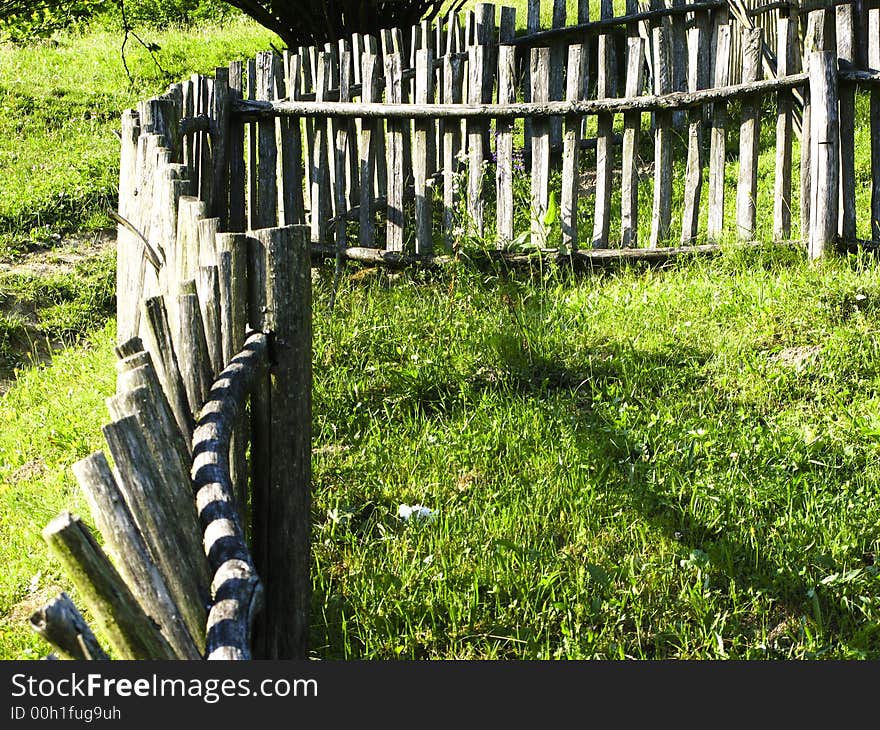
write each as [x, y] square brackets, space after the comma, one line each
[394, 236]
[632, 124]
[291, 147]
[787, 39]
[504, 147]
[424, 155]
[661, 211]
[476, 131]
[571, 149]
[824, 153]
[267, 155]
[749, 138]
[874, 63]
[718, 137]
[557, 64]
[533, 24]
[237, 172]
[320, 195]
[371, 131]
[452, 142]
[540, 79]
[340, 156]
[252, 203]
[693, 185]
[606, 86]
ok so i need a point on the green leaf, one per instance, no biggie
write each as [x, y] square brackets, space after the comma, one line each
[552, 210]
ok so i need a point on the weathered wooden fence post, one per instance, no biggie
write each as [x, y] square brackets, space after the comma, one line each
[824, 153]
[279, 278]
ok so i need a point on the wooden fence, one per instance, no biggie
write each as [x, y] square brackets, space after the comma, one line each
[230, 185]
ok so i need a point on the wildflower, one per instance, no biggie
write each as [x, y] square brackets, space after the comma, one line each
[417, 512]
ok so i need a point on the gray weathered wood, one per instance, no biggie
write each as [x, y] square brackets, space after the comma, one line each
[291, 149]
[632, 123]
[150, 501]
[320, 161]
[476, 131]
[424, 154]
[235, 150]
[220, 141]
[191, 210]
[452, 142]
[824, 153]
[127, 243]
[234, 317]
[749, 139]
[131, 555]
[62, 625]
[267, 146]
[252, 150]
[160, 342]
[787, 38]
[533, 25]
[236, 590]
[874, 61]
[661, 211]
[395, 143]
[370, 133]
[693, 185]
[208, 290]
[340, 152]
[191, 346]
[718, 138]
[557, 63]
[540, 79]
[571, 150]
[606, 86]
[282, 482]
[131, 633]
[504, 147]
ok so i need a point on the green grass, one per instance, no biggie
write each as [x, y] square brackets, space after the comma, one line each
[67, 95]
[622, 465]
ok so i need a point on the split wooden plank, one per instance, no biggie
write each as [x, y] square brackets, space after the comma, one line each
[540, 79]
[61, 624]
[606, 86]
[131, 633]
[208, 290]
[192, 347]
[632, 124]
[749, 138]
[576, 61]
[718, 138]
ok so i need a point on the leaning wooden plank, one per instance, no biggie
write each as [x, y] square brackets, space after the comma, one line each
[208, 290]
[236, 591]
[207, 234]
[191, 210]
[394, 236]
[749, 138]
[787, 38]
[131, 555]
[281, 524]
[191, 346]
[149, 500]
[571, 149]
[824, 153]
[606, 86]
[160, 342]
[718, 139]
[661, 211]
[127, 243]
[504, 149]
[62, 625]
[131, 633]
[540, 77]
[632, 124]
[424, 154]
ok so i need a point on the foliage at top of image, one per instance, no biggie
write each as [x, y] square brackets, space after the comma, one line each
[315, 22]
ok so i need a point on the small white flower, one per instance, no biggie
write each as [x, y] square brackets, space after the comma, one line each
[416, 511]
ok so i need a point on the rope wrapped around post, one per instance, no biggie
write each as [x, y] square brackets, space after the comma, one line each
[236, 590]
